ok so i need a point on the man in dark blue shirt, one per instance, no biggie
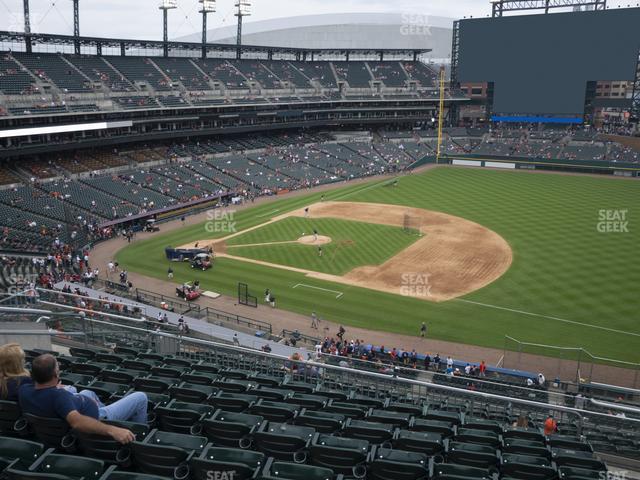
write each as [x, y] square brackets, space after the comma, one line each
[47, 398]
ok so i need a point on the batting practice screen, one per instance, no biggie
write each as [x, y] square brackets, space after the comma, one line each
[540, 64]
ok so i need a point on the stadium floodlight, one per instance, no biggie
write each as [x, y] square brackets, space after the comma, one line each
[168, 4]
[244, 8]
[208, 6]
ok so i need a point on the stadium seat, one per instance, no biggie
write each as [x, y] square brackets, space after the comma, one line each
[191, 392]
[51, 465]
[526, 467]
[214, 462]
[229, 429]
[397, 419]
[428, 443]
[283, 441]
[564, 458]
[232, 402]
[448, 471]
[120, 375]
[106, 390]
[481, 437]
[275, 394]
[473, 455]
[305, 400]
[343, 455]
[233, 385]
[113, 474]
[293, 471]
[444, 428]
[9, 414]
[372, 432]
[322, 422]
[164, 453]
[573, 473]
[50, 431]
[106, 448]
[274, 411]
[388, 464]
[347, 409]
[153, 384]
[24, 451]
[180, 417]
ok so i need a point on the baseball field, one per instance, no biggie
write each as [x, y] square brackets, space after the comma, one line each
[478, 254]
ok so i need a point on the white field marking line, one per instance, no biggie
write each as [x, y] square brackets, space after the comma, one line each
[270, 213]
[564, 320]
[340, 294]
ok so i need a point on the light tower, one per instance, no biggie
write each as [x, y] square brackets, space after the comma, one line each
[27, 26]
[76, 27]
[244, 10]
[208, 6]
[165, 6]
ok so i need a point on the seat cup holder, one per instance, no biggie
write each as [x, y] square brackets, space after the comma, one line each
[181, 472]
[300, 456]
[359, 471]
[245, 442]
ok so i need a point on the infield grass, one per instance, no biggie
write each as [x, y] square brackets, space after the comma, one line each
[569, 284]
[353, 244]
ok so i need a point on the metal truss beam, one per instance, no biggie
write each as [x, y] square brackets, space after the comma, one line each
[502, 6]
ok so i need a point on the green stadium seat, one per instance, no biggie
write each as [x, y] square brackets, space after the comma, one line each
[388, 464]
[9, 414]
[414, 410]
[530, 434]
[305, 400]
[24, 451]
[49, 431]
[229, 429]
[106, 448]
[233, 385]
[568, 443]
[453, 418]
[232, 402]
[198, 378]
[526, 467]
[155, 358]
[274, 411]
[164, 453]
[373, 432]
[302, 387]
[153, 384]
[482, 424]
[275, 394]
[293, 471]
[180, 417]
[428, 443]
[205, 368]
[525, 447]
[574, 473]
[76, 379]
[397, 419]
[70, 466]
[472, 455]
[106, 390]
[191, 392]
[283, 441]
[120, 375]
[270, 381]
[448, 471]
[85, 353]
[444, 428]
[565, 458]
[215, 462]
[481, 437]
[322, 422]
[347, 409]
[342, 455]
[366, 401]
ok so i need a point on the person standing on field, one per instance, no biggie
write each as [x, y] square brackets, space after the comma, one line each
[314, 320]
[423, 330]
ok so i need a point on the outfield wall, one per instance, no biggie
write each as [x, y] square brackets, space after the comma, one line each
[577, 166]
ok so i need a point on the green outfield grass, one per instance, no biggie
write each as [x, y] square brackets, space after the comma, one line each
[569, 284]
[354, 244]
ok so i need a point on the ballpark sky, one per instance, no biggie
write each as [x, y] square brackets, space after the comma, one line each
[142, 19]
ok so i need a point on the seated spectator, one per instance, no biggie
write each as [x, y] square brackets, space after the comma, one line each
[83, 412]
[12, 371]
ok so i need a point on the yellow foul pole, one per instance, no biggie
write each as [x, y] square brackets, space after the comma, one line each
[440, 113]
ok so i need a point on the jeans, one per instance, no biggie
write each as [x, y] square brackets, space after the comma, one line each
[132, 408]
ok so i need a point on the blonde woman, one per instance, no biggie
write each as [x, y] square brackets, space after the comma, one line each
[12, 371]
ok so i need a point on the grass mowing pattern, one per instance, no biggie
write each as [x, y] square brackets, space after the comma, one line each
[562, 266]
[353, 244]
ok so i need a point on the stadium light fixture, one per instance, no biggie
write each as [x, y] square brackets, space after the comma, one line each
[208, 6]
[244, 7]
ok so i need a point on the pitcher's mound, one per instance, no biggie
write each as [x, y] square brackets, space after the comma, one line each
[309, 240]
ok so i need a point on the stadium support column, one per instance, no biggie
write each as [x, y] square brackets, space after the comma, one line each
[165, 6]
[27, 26]
[454, 84]
[76, 27]
[208, 6]
[244, 9]
[635, 96]
[441, 113]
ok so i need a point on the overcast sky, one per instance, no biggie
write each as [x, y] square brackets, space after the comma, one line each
[142, 19]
